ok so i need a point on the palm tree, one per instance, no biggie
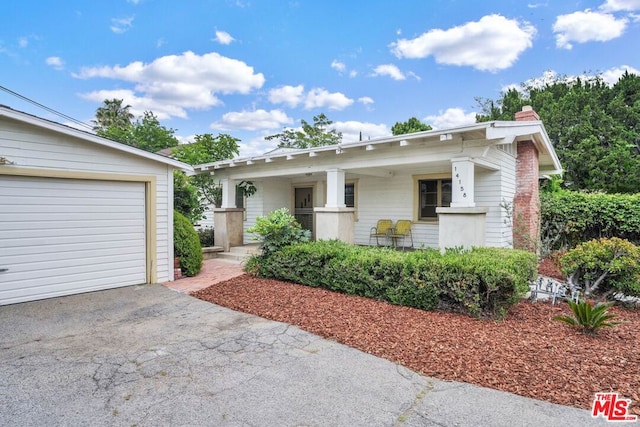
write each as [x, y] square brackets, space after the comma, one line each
[113, 113]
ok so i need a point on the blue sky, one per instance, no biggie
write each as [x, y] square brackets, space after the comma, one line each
[253, 67]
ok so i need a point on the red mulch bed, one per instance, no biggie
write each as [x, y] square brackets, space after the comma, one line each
[527, 354]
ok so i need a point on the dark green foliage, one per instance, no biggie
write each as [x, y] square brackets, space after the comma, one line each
[410, 126]
[569, 218]
[207, 148]
[186, 199]
[484, 281]
[594, 127]
[587, 318]
[186, 245]
[277, 230]
[206, 237]
[604, 266]
[146, 133]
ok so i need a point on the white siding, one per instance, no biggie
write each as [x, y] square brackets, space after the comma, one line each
[30, 146]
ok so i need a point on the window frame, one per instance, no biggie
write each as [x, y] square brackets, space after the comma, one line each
[416, 195]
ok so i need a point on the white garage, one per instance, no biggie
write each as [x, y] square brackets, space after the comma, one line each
[79, 213]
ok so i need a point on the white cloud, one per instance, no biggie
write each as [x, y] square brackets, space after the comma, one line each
[223, 37]
[389, 70]
[612, 75]
[490, 44]
[351, 130]
[252, 120]
[172, 84]
[314, 98]
[160, 42]
[366, 100]
[582, 27]
[338, 66]
[288, 95]
[121, 25]
[23, 42]
[257, 145]
[353, 73]
[321, 98]
[620, 5]
[55, 62]
[450, 118]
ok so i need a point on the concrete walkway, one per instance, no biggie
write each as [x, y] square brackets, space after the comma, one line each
[148, 356]
[213, 271]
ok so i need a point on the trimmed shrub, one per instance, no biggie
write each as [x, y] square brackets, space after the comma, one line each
[483, 281]
[570, 218]
[604, 266]
[186, 245]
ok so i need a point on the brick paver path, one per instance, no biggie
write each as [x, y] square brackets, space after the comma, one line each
[213, 271]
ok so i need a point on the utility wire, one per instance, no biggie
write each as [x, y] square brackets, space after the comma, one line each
[51, 110]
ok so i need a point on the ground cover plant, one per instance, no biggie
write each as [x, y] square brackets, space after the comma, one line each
[527, 353]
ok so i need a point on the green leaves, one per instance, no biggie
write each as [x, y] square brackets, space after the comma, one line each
[315, 135]
[277, 230]
[588, 318]
[186, 245]
[410, 126]
[207, 148]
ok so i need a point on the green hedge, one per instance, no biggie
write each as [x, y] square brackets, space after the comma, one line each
[481, 282]
[186, 245]
[570, 218]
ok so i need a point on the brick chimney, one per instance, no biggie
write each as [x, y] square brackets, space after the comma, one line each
[526, 204]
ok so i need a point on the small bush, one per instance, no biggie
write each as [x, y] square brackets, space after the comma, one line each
[186, 245]
[277, 230]
[206, 237]
[587, 318]
[603, 266]
[484, 281]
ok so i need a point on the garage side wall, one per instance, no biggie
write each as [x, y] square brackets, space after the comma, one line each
[28, 146]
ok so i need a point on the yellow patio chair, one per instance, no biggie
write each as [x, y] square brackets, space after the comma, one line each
[381, 229]
[402, 230]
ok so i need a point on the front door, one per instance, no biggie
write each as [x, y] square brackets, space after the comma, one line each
[303, 210]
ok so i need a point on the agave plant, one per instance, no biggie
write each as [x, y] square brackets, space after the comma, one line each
[589, 318]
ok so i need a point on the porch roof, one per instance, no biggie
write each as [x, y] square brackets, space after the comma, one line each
[380, 156]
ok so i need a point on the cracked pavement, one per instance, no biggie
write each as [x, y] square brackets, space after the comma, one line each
[148, 356]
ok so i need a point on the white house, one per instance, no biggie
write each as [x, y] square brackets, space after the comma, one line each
[78, 212]
[453, 185]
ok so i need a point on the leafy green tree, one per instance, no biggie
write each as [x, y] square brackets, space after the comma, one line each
[146, 133]
[112, 113]
[410, 126]
[207, 148]
[186, 198]
[595, 128]
[311, 135]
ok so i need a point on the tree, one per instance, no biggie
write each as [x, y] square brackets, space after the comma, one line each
[112, 113]
[410, 126]
[315, 135]
[207, 148]
[146, 133]
[594, 127]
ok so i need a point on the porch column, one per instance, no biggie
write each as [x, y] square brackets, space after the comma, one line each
[462, 224]
[228, 193]
[462, 183]
[335, 188]
[228, 220]
[335, 220]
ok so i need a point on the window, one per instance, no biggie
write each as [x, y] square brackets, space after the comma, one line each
[350, 194]
[432, 193]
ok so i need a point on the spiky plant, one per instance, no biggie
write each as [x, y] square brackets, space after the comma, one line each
[589, 318]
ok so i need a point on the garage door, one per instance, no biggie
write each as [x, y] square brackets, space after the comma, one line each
[67, 236]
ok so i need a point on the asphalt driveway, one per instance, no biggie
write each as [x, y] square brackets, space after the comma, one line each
[149, 356]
